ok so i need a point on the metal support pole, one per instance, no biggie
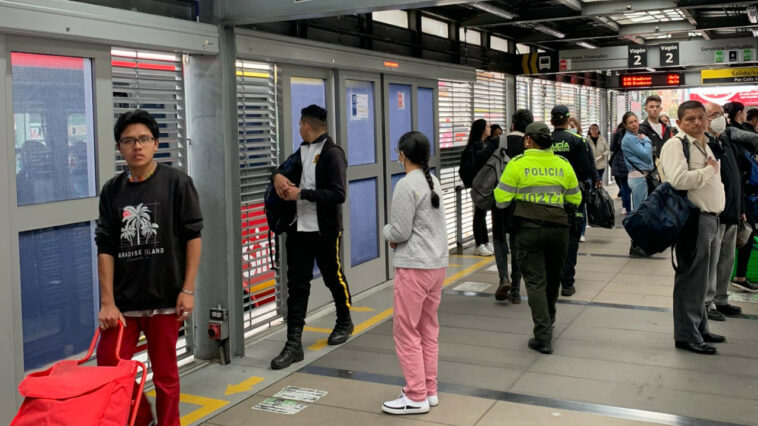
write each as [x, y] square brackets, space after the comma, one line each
[459, 219]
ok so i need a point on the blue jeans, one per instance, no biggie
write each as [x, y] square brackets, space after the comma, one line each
[638, 186]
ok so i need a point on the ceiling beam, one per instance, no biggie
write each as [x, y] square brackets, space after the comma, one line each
[605, 8]
[245, 12]
[634, 39]
[571, 4]
[656, 28]
[607, 23]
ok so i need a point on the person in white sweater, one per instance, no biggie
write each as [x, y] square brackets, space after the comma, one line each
[415, 232]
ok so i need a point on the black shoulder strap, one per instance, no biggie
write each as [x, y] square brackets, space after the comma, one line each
[685, 148]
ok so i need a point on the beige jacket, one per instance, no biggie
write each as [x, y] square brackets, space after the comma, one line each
[702, 182]
[599, 152]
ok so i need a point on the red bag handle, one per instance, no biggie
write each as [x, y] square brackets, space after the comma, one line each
[138, 395]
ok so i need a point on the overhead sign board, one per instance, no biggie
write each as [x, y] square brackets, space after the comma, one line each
[668, 54]
[633, 81]
[539, 63]
[637, 57]
[729, 75]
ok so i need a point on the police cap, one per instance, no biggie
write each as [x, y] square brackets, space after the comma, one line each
[538, 129]
[560, 112]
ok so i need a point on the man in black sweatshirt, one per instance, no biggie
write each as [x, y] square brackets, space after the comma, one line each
[148, 244]
[575, 149]
[653, 127]
[316, 183]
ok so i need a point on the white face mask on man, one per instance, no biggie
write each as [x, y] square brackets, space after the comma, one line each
[718, 125]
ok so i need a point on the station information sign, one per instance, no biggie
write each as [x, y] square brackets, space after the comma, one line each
[670, 79]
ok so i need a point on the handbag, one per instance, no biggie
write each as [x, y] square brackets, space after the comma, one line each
[744, 230]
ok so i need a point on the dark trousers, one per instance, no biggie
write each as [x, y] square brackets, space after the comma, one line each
[575, 232]
[501, 239]
[540, 251]
[743, 256]
[480, 227]
[626, 192]
[696, 267]
[302, 249]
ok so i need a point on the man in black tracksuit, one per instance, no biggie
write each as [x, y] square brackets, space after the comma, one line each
[316, 183]
[653, 127]
[577, 152]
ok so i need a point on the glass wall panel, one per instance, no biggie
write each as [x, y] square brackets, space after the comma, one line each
[400, 115]
[364, 227]
[59, 294]
[304, 92]
[426, 115]
[54, 128]
[361, 133]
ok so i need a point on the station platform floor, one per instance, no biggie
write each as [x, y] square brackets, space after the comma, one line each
[614, 360]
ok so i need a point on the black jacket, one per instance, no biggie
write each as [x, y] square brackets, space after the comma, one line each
[514, 144]
[618, 165]
[574, 149]
[658, 141]
[330, 191]
[731, 177]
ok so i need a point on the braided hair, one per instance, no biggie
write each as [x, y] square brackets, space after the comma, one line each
[415, 146]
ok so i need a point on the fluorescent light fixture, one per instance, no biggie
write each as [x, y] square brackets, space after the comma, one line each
[755, 32]
[549, 31]
[586, 45]
[486, 7]
[752, 13]
[651, 69]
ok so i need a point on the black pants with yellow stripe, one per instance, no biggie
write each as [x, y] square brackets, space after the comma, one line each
[302, 249]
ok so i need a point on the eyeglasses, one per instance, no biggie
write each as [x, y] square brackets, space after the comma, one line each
[144, 139]
[715, 115]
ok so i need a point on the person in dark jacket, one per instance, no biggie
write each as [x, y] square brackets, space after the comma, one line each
[737, 116]
[478, 143]
[514, 145]
[148, 244]
[716, 298]
[575, 149]
[655, 129]
[319, 192]
[751, 121]
[619, 171]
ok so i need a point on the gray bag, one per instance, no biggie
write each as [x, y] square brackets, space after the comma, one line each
[487, 178]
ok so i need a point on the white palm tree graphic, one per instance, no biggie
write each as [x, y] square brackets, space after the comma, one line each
[137, 224]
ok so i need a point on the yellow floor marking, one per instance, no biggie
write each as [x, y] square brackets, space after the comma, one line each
[454, 265]
[243, 386]
[471, 256]
[207, 406]
[361, 309]
[317, 329]
[262, 286]
[321, 343]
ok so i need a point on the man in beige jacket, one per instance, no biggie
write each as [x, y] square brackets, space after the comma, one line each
[697, 259]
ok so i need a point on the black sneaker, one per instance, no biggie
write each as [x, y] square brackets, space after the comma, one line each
[745, 286]
[540, 346]
[568, 291]
[635, 251]
[341, 332]
[502, 291]
[729, 310]
[515, 298]
[715, 315]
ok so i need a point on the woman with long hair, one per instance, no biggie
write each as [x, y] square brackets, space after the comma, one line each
[737, 115]
[477, 141]
[638, 154]
[416, 232]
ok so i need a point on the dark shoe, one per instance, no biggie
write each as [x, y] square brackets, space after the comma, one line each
[713, 338]
[502, 291]
[568, 291]
[341, 332]
[292, 352]
[635, 251]
[715, 315]
[745, 286]
[515, 298]
[729, 310]
[540, 346]
[698, 348]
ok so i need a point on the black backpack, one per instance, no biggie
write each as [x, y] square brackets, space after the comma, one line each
[281, 213]
[467, 166]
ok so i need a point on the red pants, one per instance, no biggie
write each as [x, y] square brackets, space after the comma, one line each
[161, 332]
[416, 329]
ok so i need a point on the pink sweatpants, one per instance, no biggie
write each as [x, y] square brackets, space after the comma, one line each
[415, 328]
[161, 332]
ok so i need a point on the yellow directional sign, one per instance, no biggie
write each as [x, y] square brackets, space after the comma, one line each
[243, 386]
[538, 63]
[729, 75]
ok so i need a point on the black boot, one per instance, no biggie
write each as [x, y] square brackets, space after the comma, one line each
[293, 349]
[342, 331]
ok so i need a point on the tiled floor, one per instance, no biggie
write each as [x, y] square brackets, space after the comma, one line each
[614, 360]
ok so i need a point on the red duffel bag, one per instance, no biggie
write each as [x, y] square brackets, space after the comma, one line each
[69, 393]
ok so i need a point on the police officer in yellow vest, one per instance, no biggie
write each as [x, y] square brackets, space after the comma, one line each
[545, 193]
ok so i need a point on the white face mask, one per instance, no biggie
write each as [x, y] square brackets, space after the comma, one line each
[718, 125]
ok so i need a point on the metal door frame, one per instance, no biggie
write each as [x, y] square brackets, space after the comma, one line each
[372, 272]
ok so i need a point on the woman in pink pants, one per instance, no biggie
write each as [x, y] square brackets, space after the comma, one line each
[416, 233]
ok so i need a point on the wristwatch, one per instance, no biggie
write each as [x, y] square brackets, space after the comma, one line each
[190, 292]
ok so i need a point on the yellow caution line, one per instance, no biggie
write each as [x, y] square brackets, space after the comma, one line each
[207, 406]
[471, 256]
[317, 329]
[361, 309]
[262, 286]
[321, 343]
[454, 265]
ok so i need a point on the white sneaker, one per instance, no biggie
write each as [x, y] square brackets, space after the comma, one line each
[582, 239]
[433, 400]
[403, 405]
[482, 250]
[489, 247]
